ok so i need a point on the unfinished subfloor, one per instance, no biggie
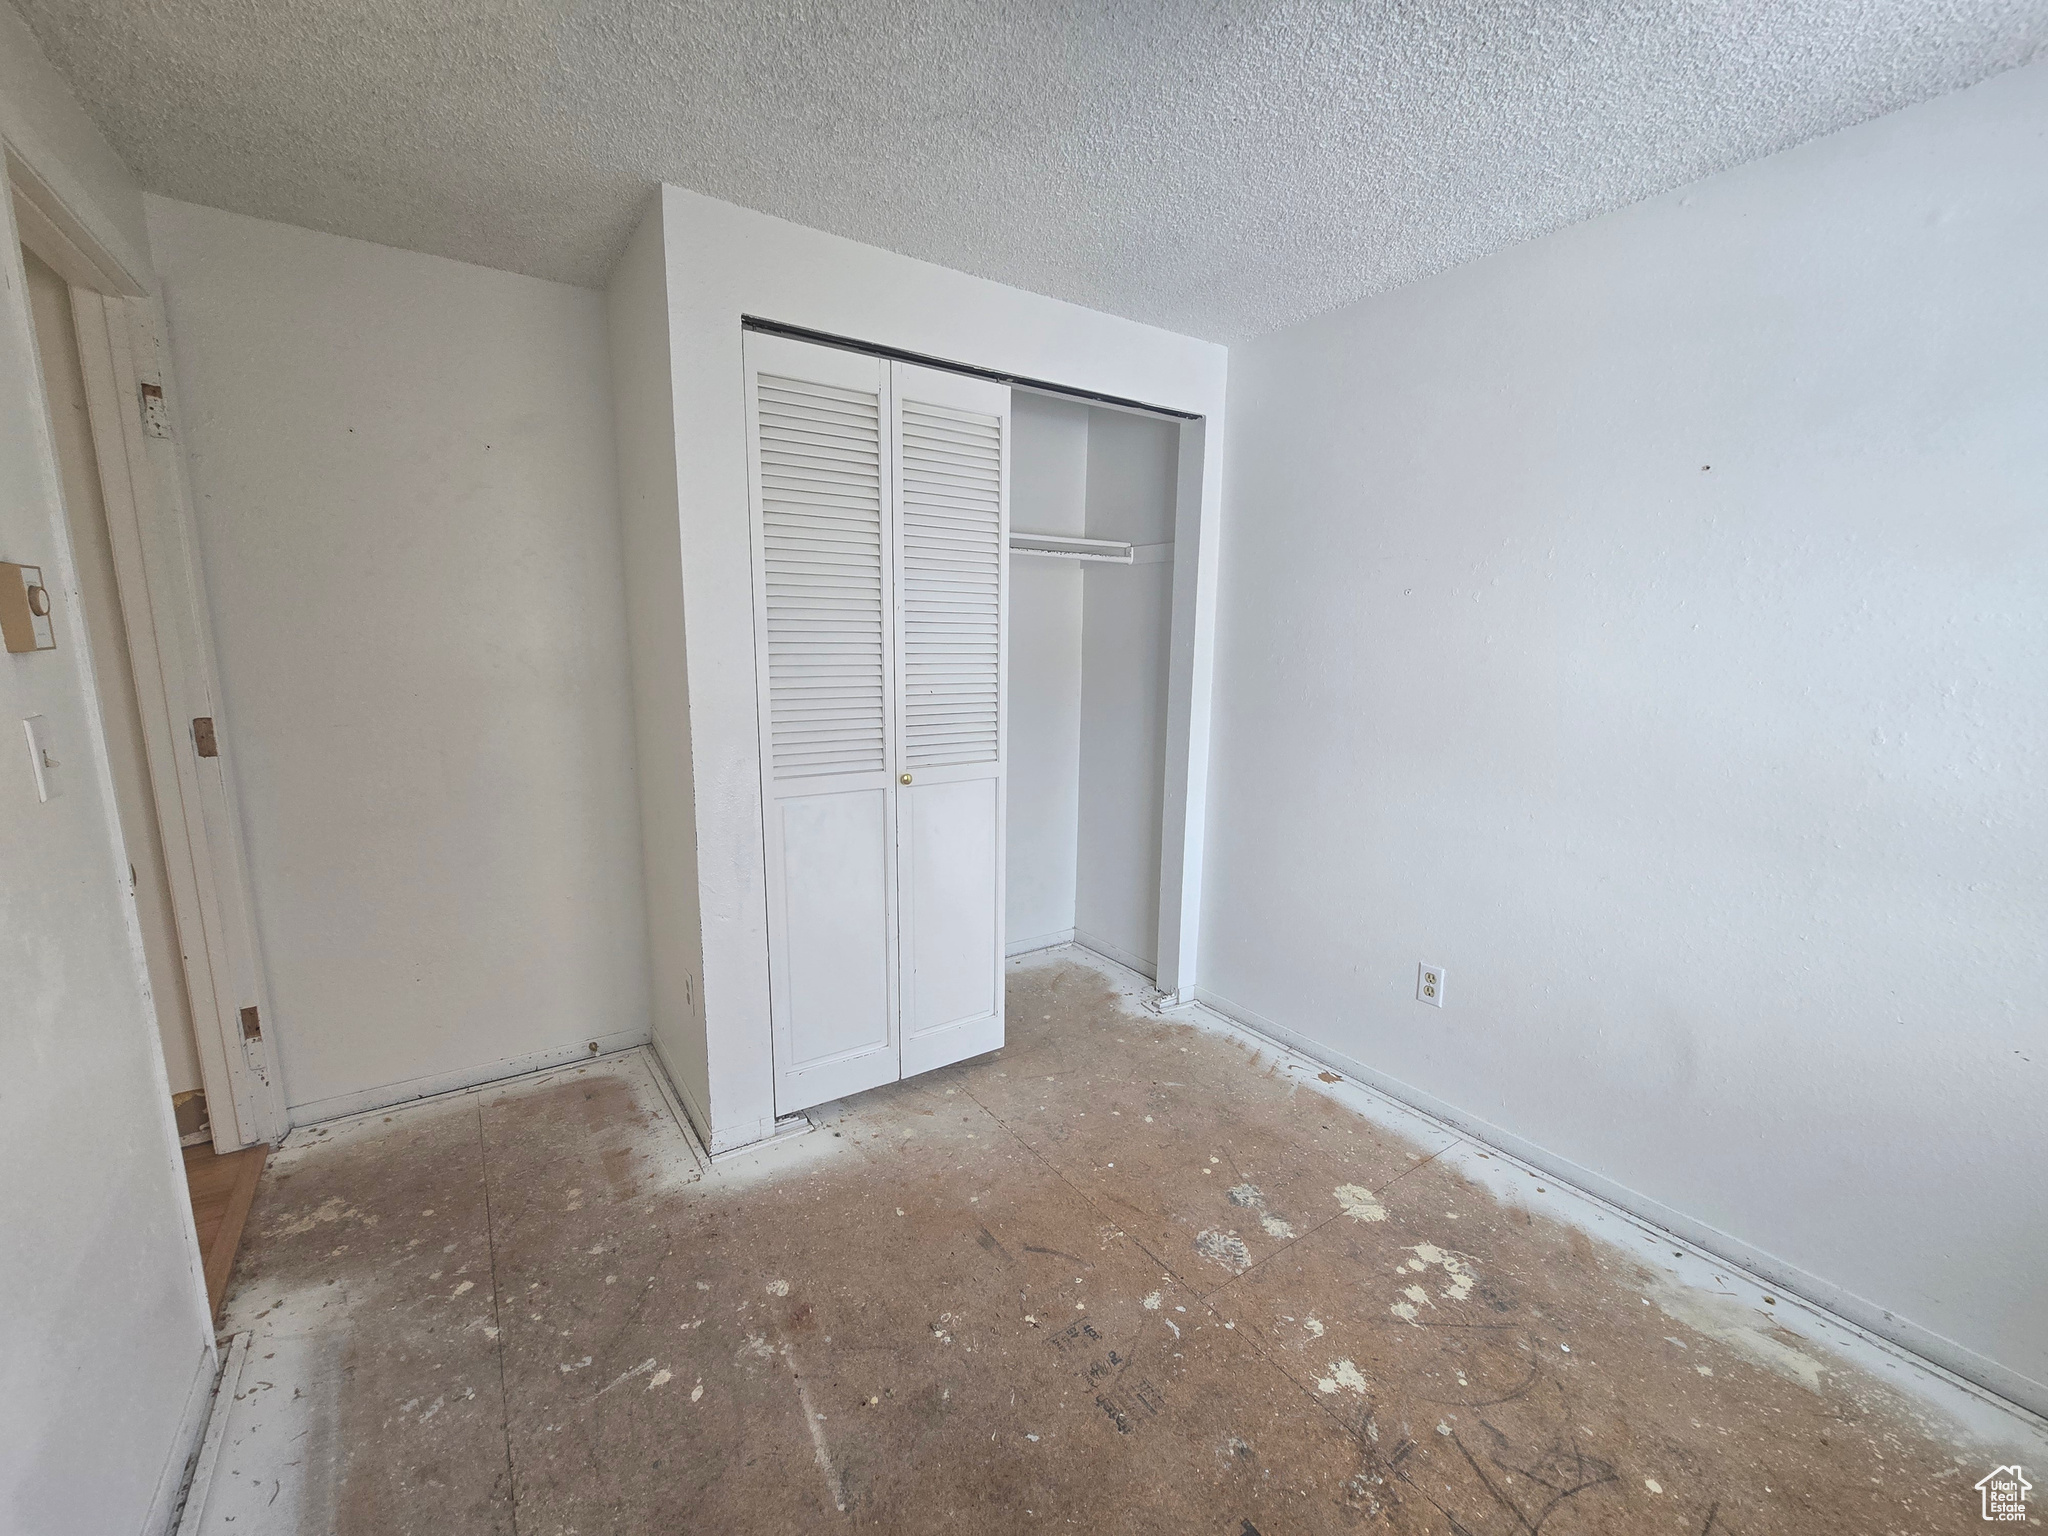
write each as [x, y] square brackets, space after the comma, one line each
[1124, 1275]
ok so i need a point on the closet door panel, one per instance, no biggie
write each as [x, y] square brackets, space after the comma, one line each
[835, 922]
[952, 463]
[825, 637]
[952, 887]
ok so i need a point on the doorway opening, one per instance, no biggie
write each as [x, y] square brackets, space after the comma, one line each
[144, 631]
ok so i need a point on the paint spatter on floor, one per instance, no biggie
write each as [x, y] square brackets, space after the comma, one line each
[1314, 1327]
[1455, 1269]
[1151, 1302]
[1343, 1376]
[835, 1485]
[778, 1287]
[1743, 1329]
[1359, 1203]
[625, 1376]
[1225, 1248]
[1250, 1197]
[329, 1210]
[660, 1379]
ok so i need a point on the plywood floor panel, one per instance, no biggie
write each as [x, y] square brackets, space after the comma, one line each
[998, 1299]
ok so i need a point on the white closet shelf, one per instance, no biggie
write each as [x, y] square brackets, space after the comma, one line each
[1061, 546]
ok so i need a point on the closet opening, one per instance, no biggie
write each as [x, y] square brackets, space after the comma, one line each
[965, 626]
[1093, 493]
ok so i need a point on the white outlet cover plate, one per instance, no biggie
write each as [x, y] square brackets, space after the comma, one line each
[1429, 984]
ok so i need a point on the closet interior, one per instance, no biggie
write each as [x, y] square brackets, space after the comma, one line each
[1088, 643]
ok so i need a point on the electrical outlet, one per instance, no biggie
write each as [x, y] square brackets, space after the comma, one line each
[1429, 984]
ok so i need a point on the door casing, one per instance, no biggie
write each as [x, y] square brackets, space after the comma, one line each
[148, 505]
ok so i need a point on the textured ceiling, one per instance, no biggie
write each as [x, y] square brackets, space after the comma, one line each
[1217, 168]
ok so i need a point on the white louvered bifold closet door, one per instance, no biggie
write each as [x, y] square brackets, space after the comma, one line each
[825, 633]
[880, 501]
[952, 487]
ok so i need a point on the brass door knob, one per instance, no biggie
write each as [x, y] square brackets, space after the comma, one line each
[906, 778]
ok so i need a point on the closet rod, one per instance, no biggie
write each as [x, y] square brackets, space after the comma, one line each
[848, 344]
[1063, 545]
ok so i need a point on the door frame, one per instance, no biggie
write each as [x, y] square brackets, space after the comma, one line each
[122, 351]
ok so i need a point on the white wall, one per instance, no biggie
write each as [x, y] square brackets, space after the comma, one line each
[725, 263]
[403, 473]
[105, 1344]
[1128, 613]
[1048, 494]
[636, 304]
[1647, 624]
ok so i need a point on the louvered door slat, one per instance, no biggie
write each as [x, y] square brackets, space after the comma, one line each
[951, 532]
[822, 468]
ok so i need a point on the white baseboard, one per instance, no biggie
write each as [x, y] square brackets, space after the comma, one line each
[183, 1456]
[782, 1129]
[1931, 1349]
[729, 1139]
[698, 1116]
[747, 1134]
[1124, 957]
[383, 1097]
[192, 1517]
[1016, 947]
